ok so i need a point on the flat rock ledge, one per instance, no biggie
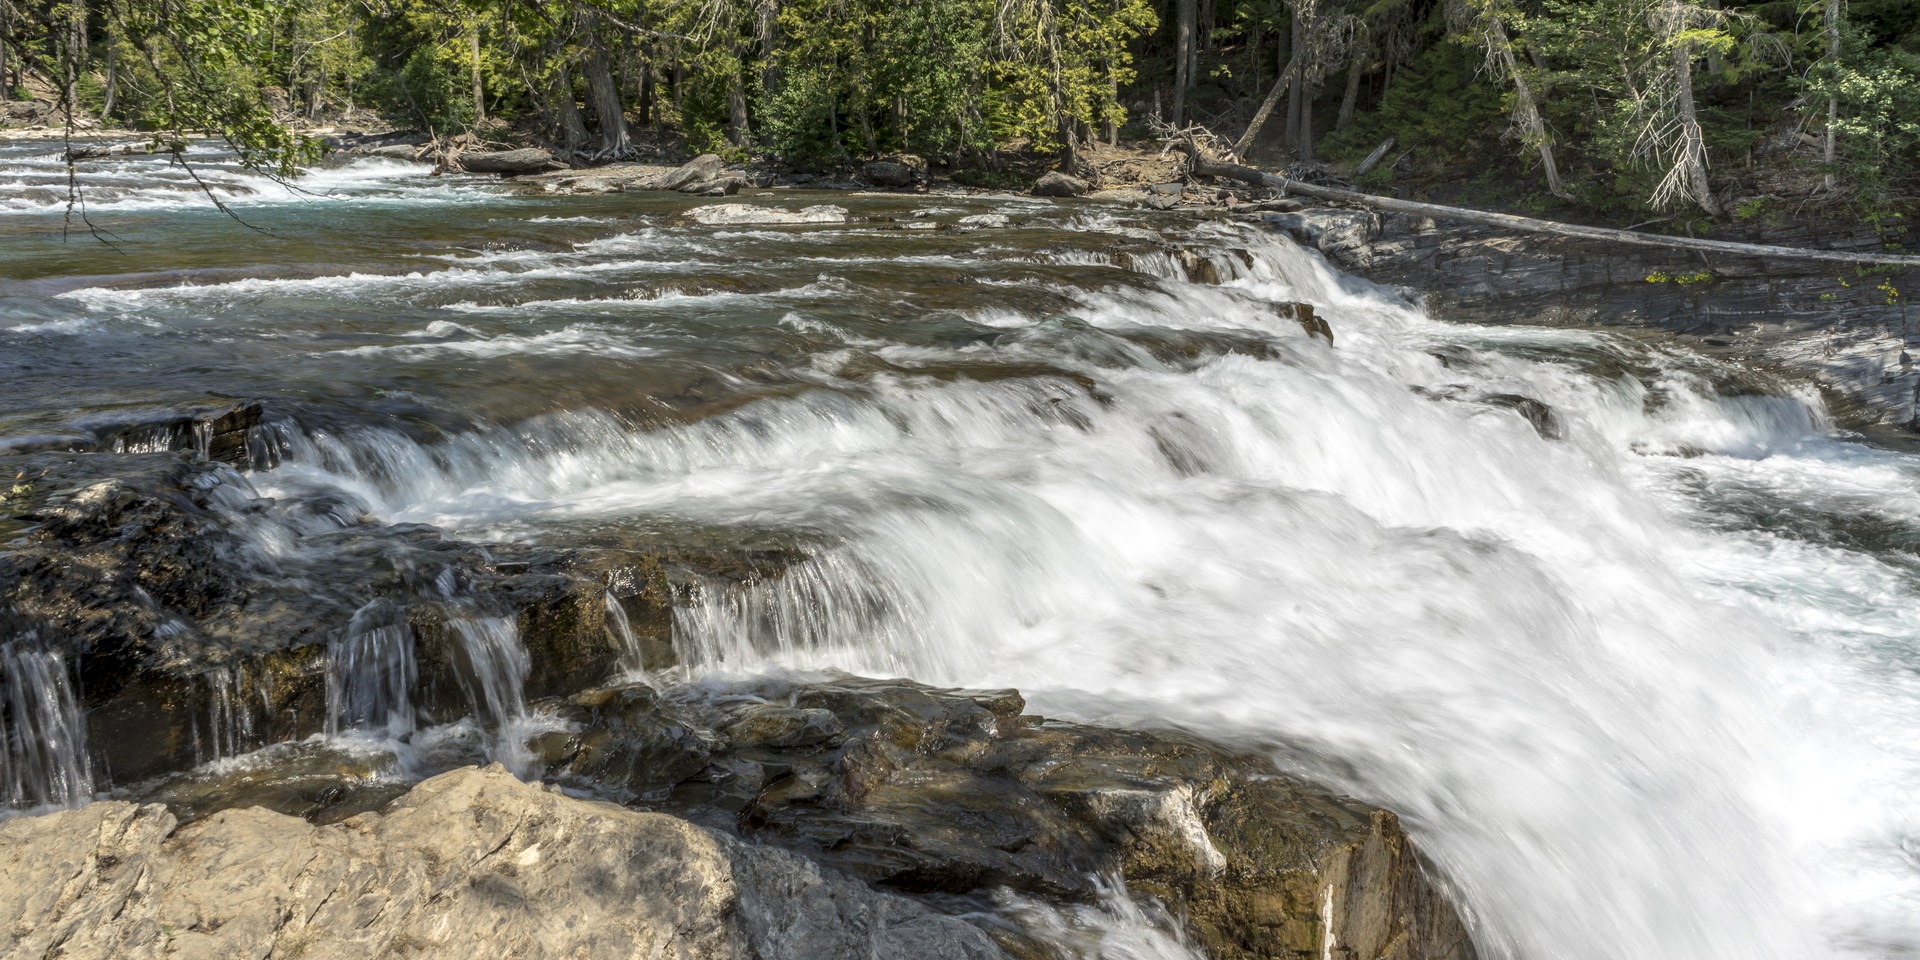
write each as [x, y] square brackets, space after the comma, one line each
[472, 863]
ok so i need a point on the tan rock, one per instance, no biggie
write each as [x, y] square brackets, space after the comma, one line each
[469, 864]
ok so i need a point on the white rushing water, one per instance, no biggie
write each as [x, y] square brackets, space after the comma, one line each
[1621, 724]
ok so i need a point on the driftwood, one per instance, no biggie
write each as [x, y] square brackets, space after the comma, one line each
[1206, 166]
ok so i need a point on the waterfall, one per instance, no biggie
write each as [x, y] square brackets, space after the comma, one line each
[45, 760]
[494, 678]
[373, 669]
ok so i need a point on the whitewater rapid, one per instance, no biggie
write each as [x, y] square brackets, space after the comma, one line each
[1643, 679]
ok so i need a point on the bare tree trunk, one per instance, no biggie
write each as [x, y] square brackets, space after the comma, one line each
[1300, 34]
[479, 91]
[1526, 110]
[76, 41]
[1306, 126]
[110, 94]
[1182, 58]
[1833, 102]
[647, 117]
[1351, 98]
[737, 129]
[6, 30]
[1198, 38]
[1260, 116]
[616, 140]
[1694, 140]
[566, 113]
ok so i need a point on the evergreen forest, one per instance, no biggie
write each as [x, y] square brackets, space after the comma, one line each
[1618, 107]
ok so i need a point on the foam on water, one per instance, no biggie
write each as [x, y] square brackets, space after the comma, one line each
[142, 182]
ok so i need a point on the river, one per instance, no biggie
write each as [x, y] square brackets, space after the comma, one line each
[1641, 673]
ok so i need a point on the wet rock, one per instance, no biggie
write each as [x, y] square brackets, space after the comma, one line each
[613, 178]
[189, 641]
[1345, 236]
[224, 433]
[701, 169]
[1537, 414]
[725, 185]
[1303, 314]
[895, 172]
[523, 160]
[1053, 183]
[951, 792]
[468, 864]
[732, 214]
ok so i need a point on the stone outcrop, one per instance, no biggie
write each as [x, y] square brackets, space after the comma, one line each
[187, 641]
[472, 863]
[960, 792]
[1853, 332]
[896, 172]
[1053, 183]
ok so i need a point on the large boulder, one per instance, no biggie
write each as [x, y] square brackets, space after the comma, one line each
[700, 169]
[896, 172]
[1053, 183]
[523, 160]
[472, 863]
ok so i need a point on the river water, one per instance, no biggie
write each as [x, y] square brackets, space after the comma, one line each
[1642, 676]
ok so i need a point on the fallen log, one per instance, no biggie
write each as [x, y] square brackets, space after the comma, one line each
[524, 160]
[1206, 166]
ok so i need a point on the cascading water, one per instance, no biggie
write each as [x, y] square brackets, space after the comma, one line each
[373, 669]
[1627, 640]
[45, 761]
[494, 677]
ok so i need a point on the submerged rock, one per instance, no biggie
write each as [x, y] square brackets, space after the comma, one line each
[472, 863]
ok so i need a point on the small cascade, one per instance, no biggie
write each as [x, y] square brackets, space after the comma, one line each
[1117, 927]
[495, 680]
[229, 717]
[632, 662]
[45, 758]
[370, 685]
[796, 618]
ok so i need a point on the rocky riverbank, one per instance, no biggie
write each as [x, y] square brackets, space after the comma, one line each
[817, 819]
[1849, 330]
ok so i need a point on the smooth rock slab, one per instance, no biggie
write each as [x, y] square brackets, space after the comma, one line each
[472, 863]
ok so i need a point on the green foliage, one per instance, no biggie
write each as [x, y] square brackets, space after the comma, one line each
[1436, 108]
[1877, 130]
[428, 88]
